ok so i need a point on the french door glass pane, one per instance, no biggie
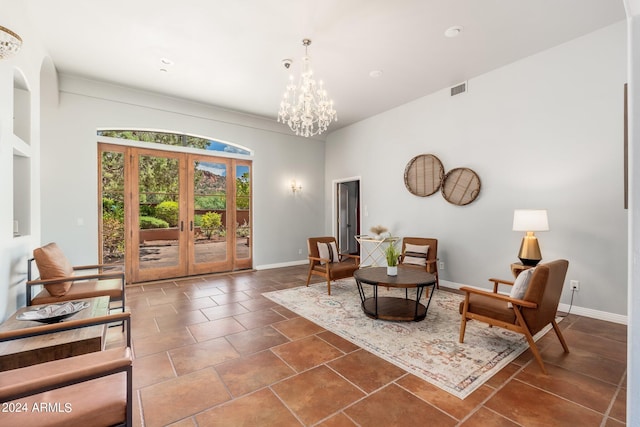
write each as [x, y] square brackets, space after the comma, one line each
[159, 222]
[112, 181]
[243, 209]
[210, 211]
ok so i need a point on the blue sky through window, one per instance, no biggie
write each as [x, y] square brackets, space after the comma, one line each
[227, 148]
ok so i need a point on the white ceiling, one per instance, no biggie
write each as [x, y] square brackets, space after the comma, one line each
[229, 53]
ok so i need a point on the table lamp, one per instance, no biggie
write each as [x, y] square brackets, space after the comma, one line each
[530, 220]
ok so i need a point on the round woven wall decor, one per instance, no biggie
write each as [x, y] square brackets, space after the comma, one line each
[423, 175]
[461, 186]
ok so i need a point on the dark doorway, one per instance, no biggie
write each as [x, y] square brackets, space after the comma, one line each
[348, 216]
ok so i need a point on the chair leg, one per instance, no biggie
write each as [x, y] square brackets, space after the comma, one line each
[529, 337]
[534, 350]
[328, 285]
[463, 320]
[560, 337]
[309, 275]
[463, 327]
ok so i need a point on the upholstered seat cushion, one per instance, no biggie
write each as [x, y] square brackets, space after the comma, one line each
[86, 289]
[52, 264]
[102, 401]
[339, 270]
[490, 307]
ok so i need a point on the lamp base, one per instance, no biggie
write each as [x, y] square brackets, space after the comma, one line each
[529, 252]
[529, 262]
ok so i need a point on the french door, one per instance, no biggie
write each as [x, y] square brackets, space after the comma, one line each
[182, 213]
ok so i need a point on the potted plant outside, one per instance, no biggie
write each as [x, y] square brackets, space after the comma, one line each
[392, 256]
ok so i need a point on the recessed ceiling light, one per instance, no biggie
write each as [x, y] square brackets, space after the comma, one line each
[453, 31]
[164, 70]
[375, 74]
[166, 61]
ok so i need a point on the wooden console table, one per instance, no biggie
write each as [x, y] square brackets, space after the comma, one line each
[30, 351]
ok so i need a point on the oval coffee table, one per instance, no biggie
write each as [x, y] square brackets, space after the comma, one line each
[394, 308]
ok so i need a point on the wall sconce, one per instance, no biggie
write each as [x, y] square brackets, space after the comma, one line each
[530, 220]
[295, 186]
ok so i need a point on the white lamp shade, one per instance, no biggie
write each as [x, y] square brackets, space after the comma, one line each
[530, 220]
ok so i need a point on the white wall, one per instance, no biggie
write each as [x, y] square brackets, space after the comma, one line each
[544, 132]
[282, 222]
[633, 334]
[26, 67]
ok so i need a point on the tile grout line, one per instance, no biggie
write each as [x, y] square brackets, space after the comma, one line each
[437, 408]
[613, 401]
[467, 414]
[492, 394]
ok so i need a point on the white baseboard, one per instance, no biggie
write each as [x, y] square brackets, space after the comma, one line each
[282, 264]
[595, 314]
[580, 311]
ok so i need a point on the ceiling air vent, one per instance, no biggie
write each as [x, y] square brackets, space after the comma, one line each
[457, 90]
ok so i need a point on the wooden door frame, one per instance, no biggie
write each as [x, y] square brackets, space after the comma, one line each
[186, 236]
[242, 263]
[181, 268]
[194, 268]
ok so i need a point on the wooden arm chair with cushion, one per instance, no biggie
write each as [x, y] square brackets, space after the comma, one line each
[531, 305]
[61, 283]
[421, 252]
[93, 389]
[325, 260]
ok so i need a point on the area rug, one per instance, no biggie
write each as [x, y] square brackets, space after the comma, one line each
[428, 349]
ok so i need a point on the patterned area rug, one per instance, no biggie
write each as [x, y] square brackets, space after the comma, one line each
[428, 349]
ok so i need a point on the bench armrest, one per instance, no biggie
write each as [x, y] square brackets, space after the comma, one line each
[97, 267]
[114, 275]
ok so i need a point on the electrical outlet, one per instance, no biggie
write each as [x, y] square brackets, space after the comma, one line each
[299, 251]
[575, 285]
[441, 265]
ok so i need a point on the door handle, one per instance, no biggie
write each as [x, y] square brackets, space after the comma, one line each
[181, 225]
[191, 225]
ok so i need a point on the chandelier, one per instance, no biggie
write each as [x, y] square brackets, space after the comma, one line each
[10, 42]
[305, 106]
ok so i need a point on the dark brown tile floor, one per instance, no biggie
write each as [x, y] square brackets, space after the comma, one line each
[212, 351]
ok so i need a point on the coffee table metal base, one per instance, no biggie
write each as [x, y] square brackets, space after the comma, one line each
[395, 309]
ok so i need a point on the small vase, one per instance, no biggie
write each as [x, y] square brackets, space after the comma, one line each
[392, 271]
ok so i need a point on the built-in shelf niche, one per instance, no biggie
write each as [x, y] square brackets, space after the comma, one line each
[21, 195]
[21, 108]
[21, 142]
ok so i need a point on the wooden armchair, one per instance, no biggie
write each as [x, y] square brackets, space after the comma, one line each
[527, 315]
[325, 260]
[421, 252]
[60, 282]
[91, 389]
